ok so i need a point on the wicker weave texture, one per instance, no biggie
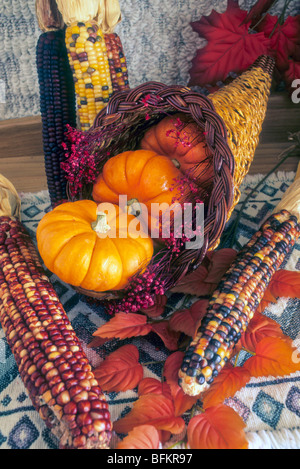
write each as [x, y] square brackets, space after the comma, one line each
[242, 105]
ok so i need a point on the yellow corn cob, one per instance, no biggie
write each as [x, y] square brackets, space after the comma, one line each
[235, 300]
[50, 358]
[88, 59]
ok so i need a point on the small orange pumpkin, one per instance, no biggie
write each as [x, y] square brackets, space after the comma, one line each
[145, 178]
[183, 142]
[93, 250]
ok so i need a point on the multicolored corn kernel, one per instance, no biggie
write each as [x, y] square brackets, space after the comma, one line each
[57, 106]
[91, 73]
[117, 62]
[234, 302]
[50, 358]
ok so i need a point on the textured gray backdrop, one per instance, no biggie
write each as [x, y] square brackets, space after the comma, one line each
[158, 40]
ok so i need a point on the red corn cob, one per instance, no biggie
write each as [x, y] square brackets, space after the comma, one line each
[50, 358]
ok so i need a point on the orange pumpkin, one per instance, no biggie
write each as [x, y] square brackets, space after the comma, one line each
[183, 142]
[145, 178]
[92, 249]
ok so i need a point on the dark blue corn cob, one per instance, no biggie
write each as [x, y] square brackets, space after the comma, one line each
[57, 105]
[235, 300]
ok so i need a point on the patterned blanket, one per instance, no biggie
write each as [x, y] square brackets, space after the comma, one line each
[269, 406]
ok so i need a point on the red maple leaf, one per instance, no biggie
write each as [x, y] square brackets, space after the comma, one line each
[230, 47]
[292, 77]
[284, 38]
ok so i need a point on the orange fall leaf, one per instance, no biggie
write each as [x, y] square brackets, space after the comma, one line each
[123, 326]
[230, 380]
[141, 437]
[285, 283]
[151, 409]
[274, 356]
[121, 370]
[259, 327]
[188, 320]
[218, 427]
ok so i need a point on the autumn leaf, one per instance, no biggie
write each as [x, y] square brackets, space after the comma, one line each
[257, 11]
[292, 73]
[123, 326]
[153, 386]
[151, 409]
[182, 401]
[170, 338]
[141, 437]
[230, 47]
[266, 300]
[284, 38]
[219, 427]
[259, 327]
[230, 380]
[194, 283]
[220, 261]
[204, 280]
[285, 283]
[189, 320]
[121, 370]
[273, 357]
[158, 308]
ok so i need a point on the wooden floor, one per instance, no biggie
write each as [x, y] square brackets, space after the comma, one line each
[21, 151]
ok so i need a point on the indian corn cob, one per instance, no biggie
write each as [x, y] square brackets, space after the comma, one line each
[50, 358]
[57, 105]
[235, 300]
[98, 65]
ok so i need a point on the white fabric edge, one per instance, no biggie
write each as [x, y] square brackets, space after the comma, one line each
[276, 439]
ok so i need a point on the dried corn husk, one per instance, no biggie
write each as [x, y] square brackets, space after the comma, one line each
[48, 16]
[291, 198]
[10, 202]
[106, 13]
[109, 15]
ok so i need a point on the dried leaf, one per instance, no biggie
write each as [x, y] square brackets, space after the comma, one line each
[193, 284]
[169, 337]
[141, 437]
[189, 320]
[291, 74]
[257, 10]
[229, 48]
[285, 283]
[273, 357]
[220, 262]
[259, 327]
[267, 299]
[121, 370]
[182, 401]
[123, 326]
[219, 427]
[284, 38]
[158, 308]
[204, 280]
[230, 380]
[153, 386]
[151, 409]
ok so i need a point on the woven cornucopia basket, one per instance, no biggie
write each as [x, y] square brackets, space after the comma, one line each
[231, 120]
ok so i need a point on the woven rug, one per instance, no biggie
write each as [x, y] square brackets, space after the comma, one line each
[270, 406]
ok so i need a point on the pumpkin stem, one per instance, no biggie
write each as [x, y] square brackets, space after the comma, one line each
[100, 225]
[134, 207]
[176, 163]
